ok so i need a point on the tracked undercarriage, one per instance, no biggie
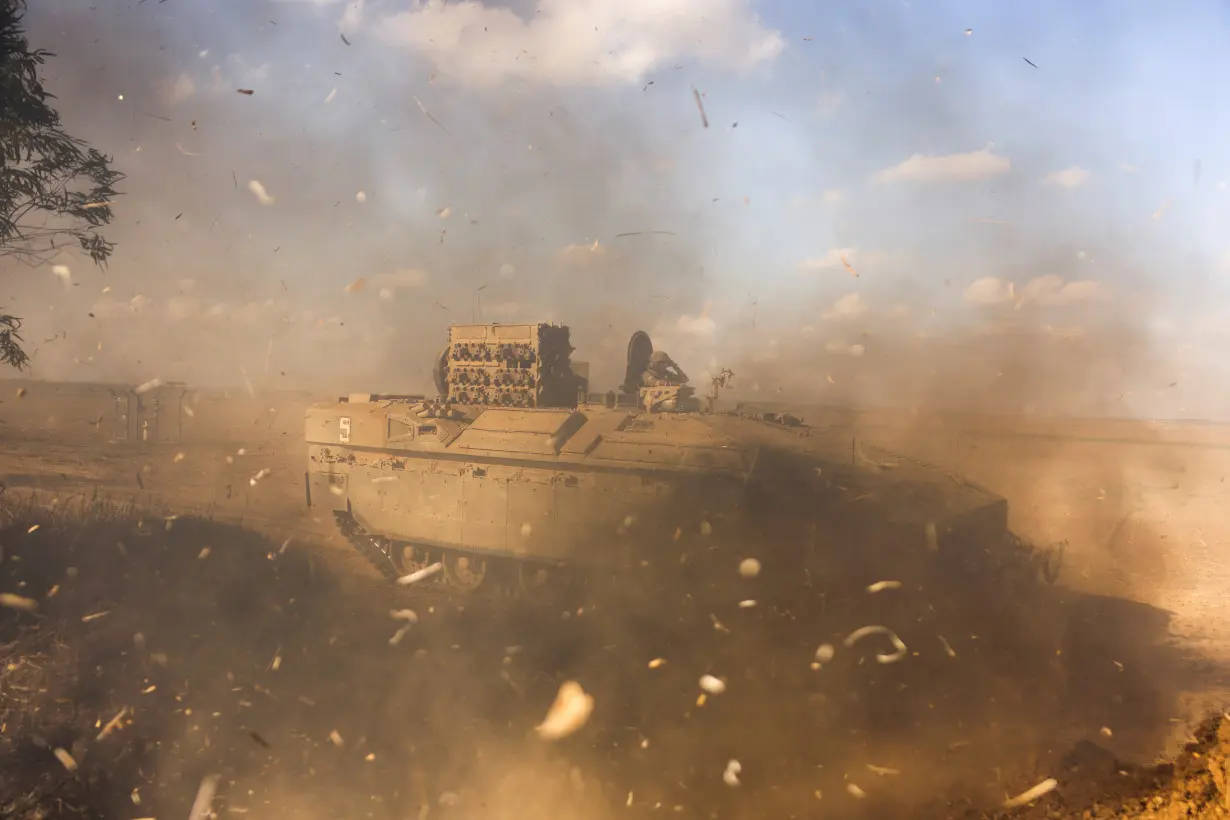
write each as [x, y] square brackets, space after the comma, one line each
[404, 561]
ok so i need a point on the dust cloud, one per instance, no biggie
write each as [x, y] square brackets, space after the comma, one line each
[397, 169]
[325, 229]
[411, 184]
[301, 685]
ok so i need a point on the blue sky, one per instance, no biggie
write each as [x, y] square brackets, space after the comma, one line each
[572, 122]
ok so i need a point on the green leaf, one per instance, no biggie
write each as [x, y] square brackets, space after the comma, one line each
[55, 190]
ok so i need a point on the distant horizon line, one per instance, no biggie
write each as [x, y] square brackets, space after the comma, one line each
[776, 404]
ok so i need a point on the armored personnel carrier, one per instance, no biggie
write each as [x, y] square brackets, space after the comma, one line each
[516, 470]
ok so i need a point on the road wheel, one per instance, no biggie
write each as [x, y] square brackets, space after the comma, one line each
[465, 572]
[532, 579]
[408, 558]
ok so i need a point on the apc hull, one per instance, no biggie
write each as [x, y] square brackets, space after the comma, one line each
[605, 489]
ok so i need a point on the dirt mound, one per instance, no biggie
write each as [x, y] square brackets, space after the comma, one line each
[1097, 786]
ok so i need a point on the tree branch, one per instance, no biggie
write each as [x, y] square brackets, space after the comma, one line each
[44, 172]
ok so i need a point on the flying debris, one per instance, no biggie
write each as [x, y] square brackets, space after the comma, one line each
[429, 116]
[1030, 795]
[259, 192]
[202, 805]
[700, 106]
[845, 263]
[12, 601]
[644, 233]
[881, 657]
[569, 712]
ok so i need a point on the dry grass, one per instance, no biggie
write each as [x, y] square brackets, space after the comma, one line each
[39, 658]
[115, 588]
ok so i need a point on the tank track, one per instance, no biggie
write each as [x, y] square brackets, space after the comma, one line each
[1039, 562]
[365, 544]
[1020, 565]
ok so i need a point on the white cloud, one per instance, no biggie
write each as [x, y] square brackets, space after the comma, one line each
[582, 42]
[180, 89]
[989, 290]
[831, 259]
[1068, 178]
[832, 196]
[975, 165]
[1081, 290]
[1044, 290]
[1053, 290]
[700, 325]
[849, 306]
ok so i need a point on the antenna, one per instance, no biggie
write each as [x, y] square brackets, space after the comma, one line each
[721, 380]
[476, 309]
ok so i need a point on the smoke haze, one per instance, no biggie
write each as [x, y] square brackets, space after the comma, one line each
[876, 212]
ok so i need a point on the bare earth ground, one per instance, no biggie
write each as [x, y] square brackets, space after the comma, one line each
[228, 651]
